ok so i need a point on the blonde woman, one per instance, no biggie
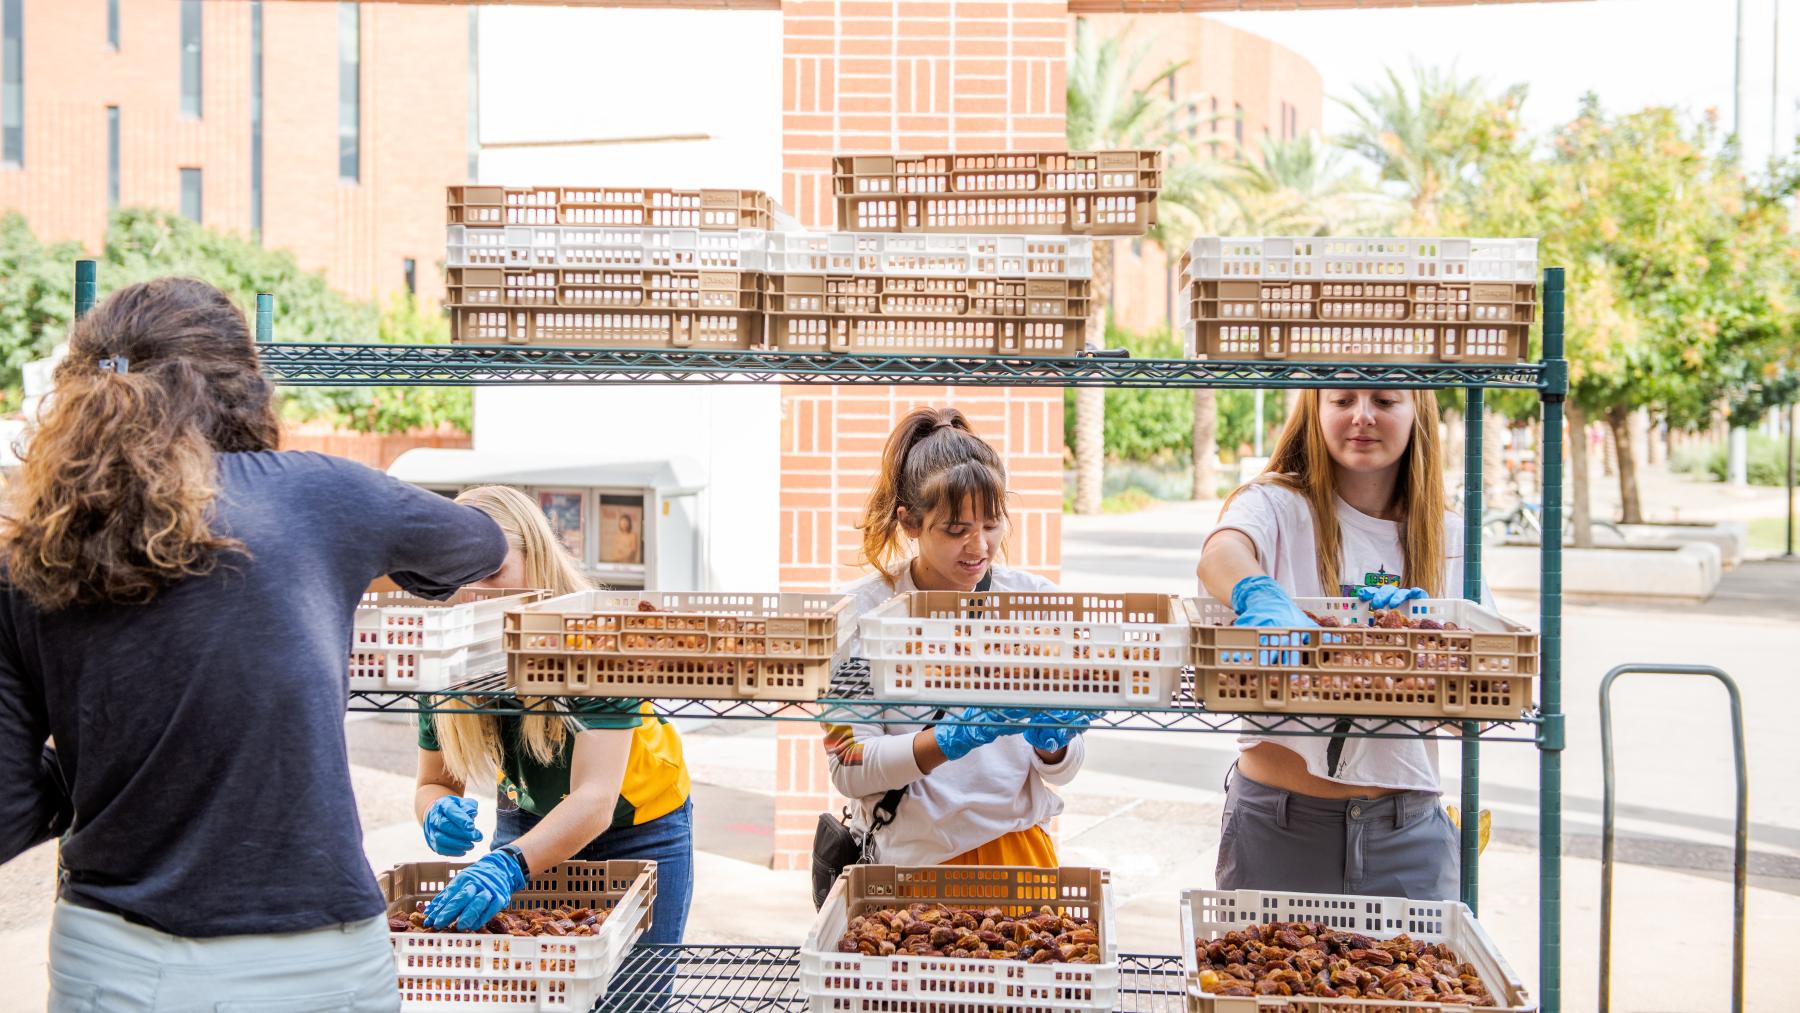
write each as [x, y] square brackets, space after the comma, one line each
[605, 781]
[1351, 505]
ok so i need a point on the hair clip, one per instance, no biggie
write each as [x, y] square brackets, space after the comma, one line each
[117, 364]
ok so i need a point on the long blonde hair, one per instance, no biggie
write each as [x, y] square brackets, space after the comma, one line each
[933, 462]
[470, 743]
[1302, 462]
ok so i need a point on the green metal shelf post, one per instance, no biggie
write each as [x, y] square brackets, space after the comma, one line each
[86, 286]
[265, 317]
[1550, 746]
[1471, 589]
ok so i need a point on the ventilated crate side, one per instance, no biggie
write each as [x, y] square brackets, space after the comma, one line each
[1360, 302]
[1093, 193]
[945, 297]
[620, 328]
[987, 172]
[648, 206]
[877, 335]
[1346, 342]
[1371, 258]
[694, 645]
[479, 971]
[1097, 214]
[877, 254]
[500, 246]
[1046, 648]
[1210, 914]
[1484, 669]
[648, 248]
[902, 984]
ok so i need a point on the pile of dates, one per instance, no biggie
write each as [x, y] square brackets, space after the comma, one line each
[555, 921]
[938, 930]
[1390, 619]
[1314, 960]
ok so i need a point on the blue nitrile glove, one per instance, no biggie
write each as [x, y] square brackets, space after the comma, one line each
[450, 825]
[1050, 731]
[478, 893]
[1259, 601]
[1389, 596]
[958, 741]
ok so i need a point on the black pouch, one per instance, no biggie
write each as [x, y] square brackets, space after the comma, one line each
[836, 846]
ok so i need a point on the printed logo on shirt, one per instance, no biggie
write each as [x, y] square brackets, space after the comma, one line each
[1375, 578]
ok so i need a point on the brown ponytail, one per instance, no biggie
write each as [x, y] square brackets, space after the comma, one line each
[116, 490]
[933, 462]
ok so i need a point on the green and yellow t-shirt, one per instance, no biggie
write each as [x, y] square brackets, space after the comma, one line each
[656, 778]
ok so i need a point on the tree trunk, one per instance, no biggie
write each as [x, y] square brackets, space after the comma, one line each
[1581, 523]
[1647, 441]
[1090, 402]
[1631, 511]
[1206, 444]
[1609, 453]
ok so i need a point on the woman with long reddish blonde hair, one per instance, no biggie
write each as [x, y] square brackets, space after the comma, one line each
[1351, 505]
[176, 611]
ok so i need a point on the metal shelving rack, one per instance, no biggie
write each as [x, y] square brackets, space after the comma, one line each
[318, 364]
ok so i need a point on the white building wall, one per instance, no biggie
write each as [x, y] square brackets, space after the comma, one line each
[552, 75]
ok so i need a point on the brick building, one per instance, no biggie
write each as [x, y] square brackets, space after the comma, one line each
[330, 129]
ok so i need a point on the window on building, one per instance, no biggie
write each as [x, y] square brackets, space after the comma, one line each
[112, 25]
[12, 82]
[112, 158]
[191, 104]
[410, 269]
[349, 92]
[1237, 115]
[256, 119]
[1215, 114]
[190, 195]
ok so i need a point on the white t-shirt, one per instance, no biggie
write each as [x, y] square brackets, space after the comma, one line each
[1279, 522]
[996, 789]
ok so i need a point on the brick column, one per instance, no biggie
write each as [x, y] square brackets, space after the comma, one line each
[873, 77]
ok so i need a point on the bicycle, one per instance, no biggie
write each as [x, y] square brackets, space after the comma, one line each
[1526, 521]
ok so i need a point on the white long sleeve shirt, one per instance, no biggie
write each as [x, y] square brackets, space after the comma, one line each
[998, 788]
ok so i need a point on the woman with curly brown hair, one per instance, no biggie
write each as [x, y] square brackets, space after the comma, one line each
[175, 609]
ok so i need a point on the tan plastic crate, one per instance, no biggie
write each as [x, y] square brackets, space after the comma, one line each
[480, 971]
[572, 205]
[1098, 193]
[695, 646]
[947, 297]
[611, 328]
[1483, 670]
[858, 983]
[874, 334]
[604, 288]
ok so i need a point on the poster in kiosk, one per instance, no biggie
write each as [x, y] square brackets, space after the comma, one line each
[632, 525]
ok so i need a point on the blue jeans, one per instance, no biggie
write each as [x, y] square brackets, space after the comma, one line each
[667, 840]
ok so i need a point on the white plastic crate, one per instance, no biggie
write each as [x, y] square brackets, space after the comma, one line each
[930, 255]
[835, 982]
[1367, 258]
[407, 643]
[604, 247]
[1209, 914]
[454, 971]
[1050, 648]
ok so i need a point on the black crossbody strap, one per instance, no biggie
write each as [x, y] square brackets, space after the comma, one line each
[1335, 752]
[987, 582]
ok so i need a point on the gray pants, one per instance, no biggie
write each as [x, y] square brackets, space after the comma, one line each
[102, 963]
[1398, 846]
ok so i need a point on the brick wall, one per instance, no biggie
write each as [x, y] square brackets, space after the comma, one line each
[414, 129]
[870, 77]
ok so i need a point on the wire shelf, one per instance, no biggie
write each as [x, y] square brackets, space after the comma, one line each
[765, 979]
[335, 365]
[851, 700]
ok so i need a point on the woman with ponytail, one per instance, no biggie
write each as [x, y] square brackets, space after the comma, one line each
[176, 610]
[602, 781]
[974, 795]
[1351, 505]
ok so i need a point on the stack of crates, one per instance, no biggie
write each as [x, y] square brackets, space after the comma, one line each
[1381, 299]
[606, 267]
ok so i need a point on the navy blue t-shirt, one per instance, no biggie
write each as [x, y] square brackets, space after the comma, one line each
[201, 735]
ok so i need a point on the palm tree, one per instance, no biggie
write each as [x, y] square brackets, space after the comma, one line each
[1429, 138]
[1113, 102]
[1302, 187]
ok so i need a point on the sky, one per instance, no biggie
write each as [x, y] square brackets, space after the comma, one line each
[1632, 53]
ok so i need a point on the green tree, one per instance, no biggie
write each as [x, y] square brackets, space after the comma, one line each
[1302, 187]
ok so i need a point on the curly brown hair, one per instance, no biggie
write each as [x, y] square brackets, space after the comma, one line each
[115, 496]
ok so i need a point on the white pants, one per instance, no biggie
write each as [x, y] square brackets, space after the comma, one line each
[100, 963]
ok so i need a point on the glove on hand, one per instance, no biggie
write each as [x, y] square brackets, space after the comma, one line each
[1050, 731]
[478, 893]
[450, 825]
[958, 741]
[1389, 596]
